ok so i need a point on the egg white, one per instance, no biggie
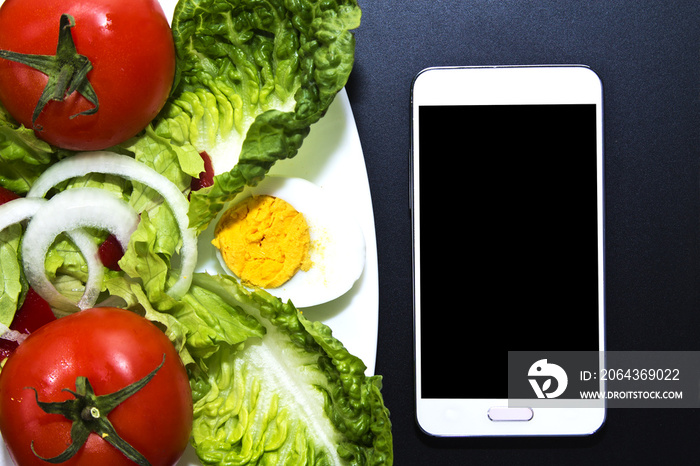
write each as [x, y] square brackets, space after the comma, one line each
[337, 249]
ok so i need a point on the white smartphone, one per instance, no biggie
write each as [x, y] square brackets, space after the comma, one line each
[507, 207]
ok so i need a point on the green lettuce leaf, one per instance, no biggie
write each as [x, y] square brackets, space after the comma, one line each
[12, 283]
[295, 396]
[23, 156]
[252, 77]
[168, 154]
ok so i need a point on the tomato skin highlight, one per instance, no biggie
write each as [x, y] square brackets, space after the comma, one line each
[130, 46]
[112, 348]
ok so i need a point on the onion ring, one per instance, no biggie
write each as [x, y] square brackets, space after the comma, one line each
[68, 212]
[127, 167]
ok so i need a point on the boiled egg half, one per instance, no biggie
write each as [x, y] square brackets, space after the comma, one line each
[293, 220]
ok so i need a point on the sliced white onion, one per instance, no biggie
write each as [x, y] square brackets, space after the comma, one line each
[18, 210]
[68, 212]
[121, 165]
[90, 252]
[12, 335]
[21, 209]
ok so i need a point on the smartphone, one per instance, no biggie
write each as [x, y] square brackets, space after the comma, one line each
[507, 210]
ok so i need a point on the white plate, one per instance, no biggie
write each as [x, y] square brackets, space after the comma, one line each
[331, 157]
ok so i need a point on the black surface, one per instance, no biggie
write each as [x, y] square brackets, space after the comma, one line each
[647, 54]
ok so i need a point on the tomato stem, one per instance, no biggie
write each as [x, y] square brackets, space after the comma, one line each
[89, 414]
[67, 71]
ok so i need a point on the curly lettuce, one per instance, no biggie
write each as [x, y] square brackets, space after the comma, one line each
[12, 285]
[294, 396]
[252, 77]
[23, 156]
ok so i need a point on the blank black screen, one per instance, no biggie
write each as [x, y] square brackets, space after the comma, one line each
[508, 240]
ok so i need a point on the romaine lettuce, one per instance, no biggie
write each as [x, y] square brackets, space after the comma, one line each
[23, 156]
[12, 285]
[295, 396]
[252, 77]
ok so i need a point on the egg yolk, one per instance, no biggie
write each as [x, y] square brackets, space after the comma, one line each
[264, 241]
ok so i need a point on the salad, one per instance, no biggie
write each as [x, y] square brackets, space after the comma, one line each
[247, 98]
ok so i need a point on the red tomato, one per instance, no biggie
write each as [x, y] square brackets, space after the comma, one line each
[206, 178]
[111, 252]
[130, 46]
[6, 195]
[112, 348]
[33, 314]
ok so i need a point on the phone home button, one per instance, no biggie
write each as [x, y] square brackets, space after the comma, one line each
[504, 413]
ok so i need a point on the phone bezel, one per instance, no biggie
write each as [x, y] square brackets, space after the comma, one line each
[492, 85]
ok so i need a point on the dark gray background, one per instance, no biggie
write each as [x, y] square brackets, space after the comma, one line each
[647, 54]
